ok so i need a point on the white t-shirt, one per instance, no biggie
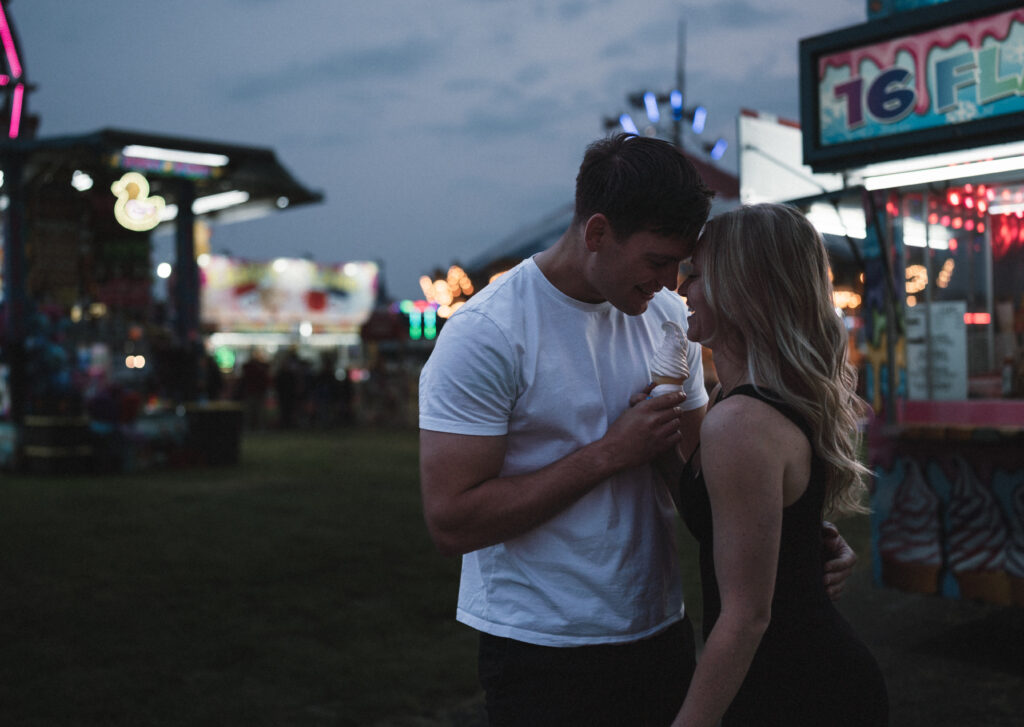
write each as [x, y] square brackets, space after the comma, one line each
[522, 359]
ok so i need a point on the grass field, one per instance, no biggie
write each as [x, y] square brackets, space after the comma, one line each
[299, 588]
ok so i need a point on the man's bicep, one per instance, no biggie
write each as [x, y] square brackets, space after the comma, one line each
[451, 467]
[451, 464]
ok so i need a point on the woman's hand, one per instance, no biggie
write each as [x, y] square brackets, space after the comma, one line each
[840, 560]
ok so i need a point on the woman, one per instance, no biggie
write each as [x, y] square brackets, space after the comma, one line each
[777, 453]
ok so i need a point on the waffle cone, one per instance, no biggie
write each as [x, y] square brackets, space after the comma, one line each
[915, 577]
[1017, 590]
[985, 585]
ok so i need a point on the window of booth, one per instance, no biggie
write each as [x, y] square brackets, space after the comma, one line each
[963, 256]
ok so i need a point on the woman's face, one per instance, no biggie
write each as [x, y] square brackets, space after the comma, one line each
[701, 320]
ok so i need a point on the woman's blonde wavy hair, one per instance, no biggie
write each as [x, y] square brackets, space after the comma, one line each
[765, 276]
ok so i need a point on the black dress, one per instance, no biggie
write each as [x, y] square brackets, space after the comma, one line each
[810, 668]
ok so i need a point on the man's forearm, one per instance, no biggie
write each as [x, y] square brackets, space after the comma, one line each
[502, 508]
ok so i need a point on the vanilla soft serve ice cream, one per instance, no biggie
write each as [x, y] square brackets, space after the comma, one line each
[669, 367]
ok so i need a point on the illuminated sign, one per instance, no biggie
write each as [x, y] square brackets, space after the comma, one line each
[170, 162]
[449, 293]
[135, 209]
[422, 319]
[938, 79]
[167, 168]
[13, 81]
[284, 294]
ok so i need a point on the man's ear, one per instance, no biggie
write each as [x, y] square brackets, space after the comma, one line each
[596, 232]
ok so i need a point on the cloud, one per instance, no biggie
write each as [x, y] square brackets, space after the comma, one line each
[362, 66]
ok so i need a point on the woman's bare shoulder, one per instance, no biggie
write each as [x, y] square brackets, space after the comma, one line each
[745, 419]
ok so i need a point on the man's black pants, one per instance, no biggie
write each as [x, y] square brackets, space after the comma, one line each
[627, 685]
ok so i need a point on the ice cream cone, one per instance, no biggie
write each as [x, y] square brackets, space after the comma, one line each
[910, 576]
[666, 384]
[1017, 590]
[990, 586]
[669, 367]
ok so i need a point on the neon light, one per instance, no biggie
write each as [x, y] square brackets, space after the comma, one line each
[135, 209]
[8, 41]
[700, 117]
[19, 93]
[430, 324]
[415, 325]
[175, 155]
[675, 99]
[977, 319]
[178, 169]
[941, 174]
[219, 201]
[651, 105]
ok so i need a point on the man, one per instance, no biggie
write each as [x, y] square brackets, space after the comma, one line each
[535, 467]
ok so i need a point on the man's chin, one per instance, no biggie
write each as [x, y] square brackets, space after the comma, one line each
[636, 309]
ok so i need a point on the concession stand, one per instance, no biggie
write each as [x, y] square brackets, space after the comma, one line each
[921, 114]
[95, 370]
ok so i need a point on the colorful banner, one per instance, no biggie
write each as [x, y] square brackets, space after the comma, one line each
[242, 295]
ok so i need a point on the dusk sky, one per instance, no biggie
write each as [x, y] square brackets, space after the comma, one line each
[433, 129]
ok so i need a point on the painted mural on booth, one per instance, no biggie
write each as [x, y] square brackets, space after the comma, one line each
[949, 524]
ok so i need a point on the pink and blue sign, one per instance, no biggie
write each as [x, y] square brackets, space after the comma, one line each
[946, 83]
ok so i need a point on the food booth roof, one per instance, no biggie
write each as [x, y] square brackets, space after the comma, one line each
[212, 167]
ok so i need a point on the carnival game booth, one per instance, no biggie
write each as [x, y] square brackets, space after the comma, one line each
[94, 370]
[297, 319]
[922, 113]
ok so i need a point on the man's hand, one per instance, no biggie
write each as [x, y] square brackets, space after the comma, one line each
[839, 560]
[645, 430]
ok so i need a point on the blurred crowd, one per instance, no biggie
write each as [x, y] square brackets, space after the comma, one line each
[290, 391]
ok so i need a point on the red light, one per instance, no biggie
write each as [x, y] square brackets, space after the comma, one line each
[957, 223]
[968, 188]
[969, 202]
[954, 198]
[952, 244]
[981, 227]
[969, 224]
[991, 194]
[944, 221]
[982, 206]
[933, 218]
[977, 319]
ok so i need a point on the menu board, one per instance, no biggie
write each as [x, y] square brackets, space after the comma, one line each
[938, 344]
